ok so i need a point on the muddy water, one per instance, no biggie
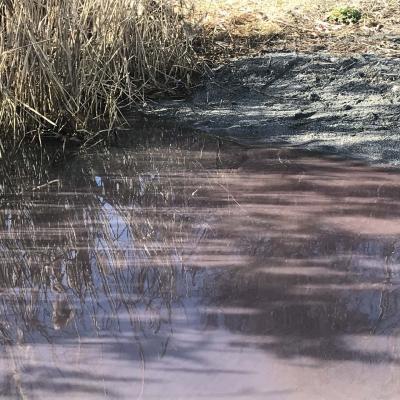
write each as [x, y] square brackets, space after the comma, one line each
[197, 269]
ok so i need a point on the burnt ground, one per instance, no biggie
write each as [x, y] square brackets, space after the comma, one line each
[345, 105]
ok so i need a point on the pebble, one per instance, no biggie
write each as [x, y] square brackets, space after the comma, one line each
[314, 97]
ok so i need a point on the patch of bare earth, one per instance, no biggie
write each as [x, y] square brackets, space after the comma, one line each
[302, 81]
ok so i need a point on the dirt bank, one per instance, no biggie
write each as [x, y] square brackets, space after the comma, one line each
[346, 105]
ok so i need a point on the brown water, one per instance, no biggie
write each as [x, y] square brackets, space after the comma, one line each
[192, 269]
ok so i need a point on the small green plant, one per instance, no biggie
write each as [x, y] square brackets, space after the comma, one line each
[345, 15]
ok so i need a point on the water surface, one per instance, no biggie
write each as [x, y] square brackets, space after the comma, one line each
[191, 268]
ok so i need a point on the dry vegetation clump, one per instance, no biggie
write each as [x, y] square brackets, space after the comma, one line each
[73, 65]
[233, 27]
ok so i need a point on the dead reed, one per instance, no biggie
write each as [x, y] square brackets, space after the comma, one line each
[74, 65]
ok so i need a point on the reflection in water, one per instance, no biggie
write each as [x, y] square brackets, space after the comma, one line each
[190, 268]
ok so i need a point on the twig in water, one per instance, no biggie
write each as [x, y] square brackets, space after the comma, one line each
[45, 184]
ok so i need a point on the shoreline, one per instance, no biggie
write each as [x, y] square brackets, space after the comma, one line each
[344, 105]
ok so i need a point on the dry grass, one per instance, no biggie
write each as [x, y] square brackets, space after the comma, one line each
[73, 65]
[232, 27]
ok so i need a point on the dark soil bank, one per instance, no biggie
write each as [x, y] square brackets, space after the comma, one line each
[346, 105]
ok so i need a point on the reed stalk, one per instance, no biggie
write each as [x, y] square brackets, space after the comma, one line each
[74, 65]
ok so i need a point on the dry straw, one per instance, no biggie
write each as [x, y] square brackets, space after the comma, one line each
[235, 27]
[73, 65]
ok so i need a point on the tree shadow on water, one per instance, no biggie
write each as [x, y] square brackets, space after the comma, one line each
[291, 254]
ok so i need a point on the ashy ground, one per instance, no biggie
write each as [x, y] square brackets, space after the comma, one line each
[334, 93]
